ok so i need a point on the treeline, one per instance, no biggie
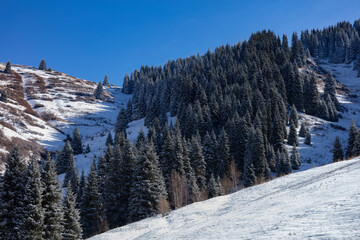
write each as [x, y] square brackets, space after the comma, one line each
[338, 44]
[32, 205]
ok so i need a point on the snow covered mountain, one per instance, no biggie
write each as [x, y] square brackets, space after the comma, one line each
[321, 203]
[44, 106]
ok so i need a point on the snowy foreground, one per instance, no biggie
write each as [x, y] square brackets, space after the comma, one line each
[320, 203]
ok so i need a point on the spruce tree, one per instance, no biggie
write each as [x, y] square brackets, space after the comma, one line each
[302, 132]
[8, 68]
[308, 138]
[223, 155]
[13, 197]
[76, 142]
[71, 220]
[63, 159]
[42, 65]
[337, 150]
[294, 116]
[353, 135]
[106, 81]
[70, 176]
[99, 92]
[121, 122]
[3, 95]
[292, 138]
[109, 140]
[92, 217]
[53, 212]
[148, 186]
[198, 162]
[295, 158]
[213, 188]
[311, 98]
[34, 212]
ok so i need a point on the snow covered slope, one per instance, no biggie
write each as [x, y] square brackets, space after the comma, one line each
[320, 203]
[44, 106]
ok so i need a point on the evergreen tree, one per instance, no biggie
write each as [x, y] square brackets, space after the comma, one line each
[294, 116]
[76, 142]
[198, 162]
[92, 218]
[42, 65]
[213, 188]
[223, 155]
[307, 137]
[3, 96]
[100, 93]
[13, 201]
[337, 151]
[71, 220]
[311, 98]
[87, 149]
[34, 212]
[302, 132]
[295, 158]
[209, 152]
[121, 122]
[148, 186]
[8, 68]
[330, 89]
[70, 176]
[53, 212]
[64, 158]
[106, 81]
[353, 135]
[109, 140]
[292, 138]
[80, 190]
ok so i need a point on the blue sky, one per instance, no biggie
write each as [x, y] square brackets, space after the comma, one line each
[89, 39]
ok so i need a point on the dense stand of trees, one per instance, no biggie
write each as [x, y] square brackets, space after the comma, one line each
[235, 109]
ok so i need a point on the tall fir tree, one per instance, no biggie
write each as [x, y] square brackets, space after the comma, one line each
[51, 202]
[42, 65]
[71, 220]
[148, 185]
[34, 212]
[76, 142]
[106, 81]
[13, 197]
[337, 151]
[292, 138]
[295, 158]
[353, 135]
[64, 157]
[92, 216]
[8, 68]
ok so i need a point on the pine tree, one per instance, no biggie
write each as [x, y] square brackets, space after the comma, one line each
[70, 176]
[34, 212]
[8, 68]
[42, 65]
[302, 132]
[92, 218]
[71, 220]
[295, 158]
[51, 203]
[109, 140]
[63, 159]
[3, 95]
[148, 186]
[80, 190]
[337, 151]
[330, 89]
[213, 188]
[294, 116]
[13, 201]
[209, 152]
[308, 138]
[100, 93]
[76, 142]
[353, 135]
[311, 98]
[87, 149]
[223, 155]
[121, 122]
[198, 162]
[292, 138]
[106, 81]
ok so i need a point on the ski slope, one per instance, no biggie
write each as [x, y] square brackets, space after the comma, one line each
[320, 203]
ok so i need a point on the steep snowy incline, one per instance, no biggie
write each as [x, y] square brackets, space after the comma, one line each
[320, 203]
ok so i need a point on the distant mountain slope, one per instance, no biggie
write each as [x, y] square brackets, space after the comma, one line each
[43, 106]
[321, 203]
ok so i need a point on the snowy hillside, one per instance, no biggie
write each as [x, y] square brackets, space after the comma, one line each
[44, 106]
[321, 203]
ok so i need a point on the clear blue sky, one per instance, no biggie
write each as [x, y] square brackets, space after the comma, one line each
[89, 39]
